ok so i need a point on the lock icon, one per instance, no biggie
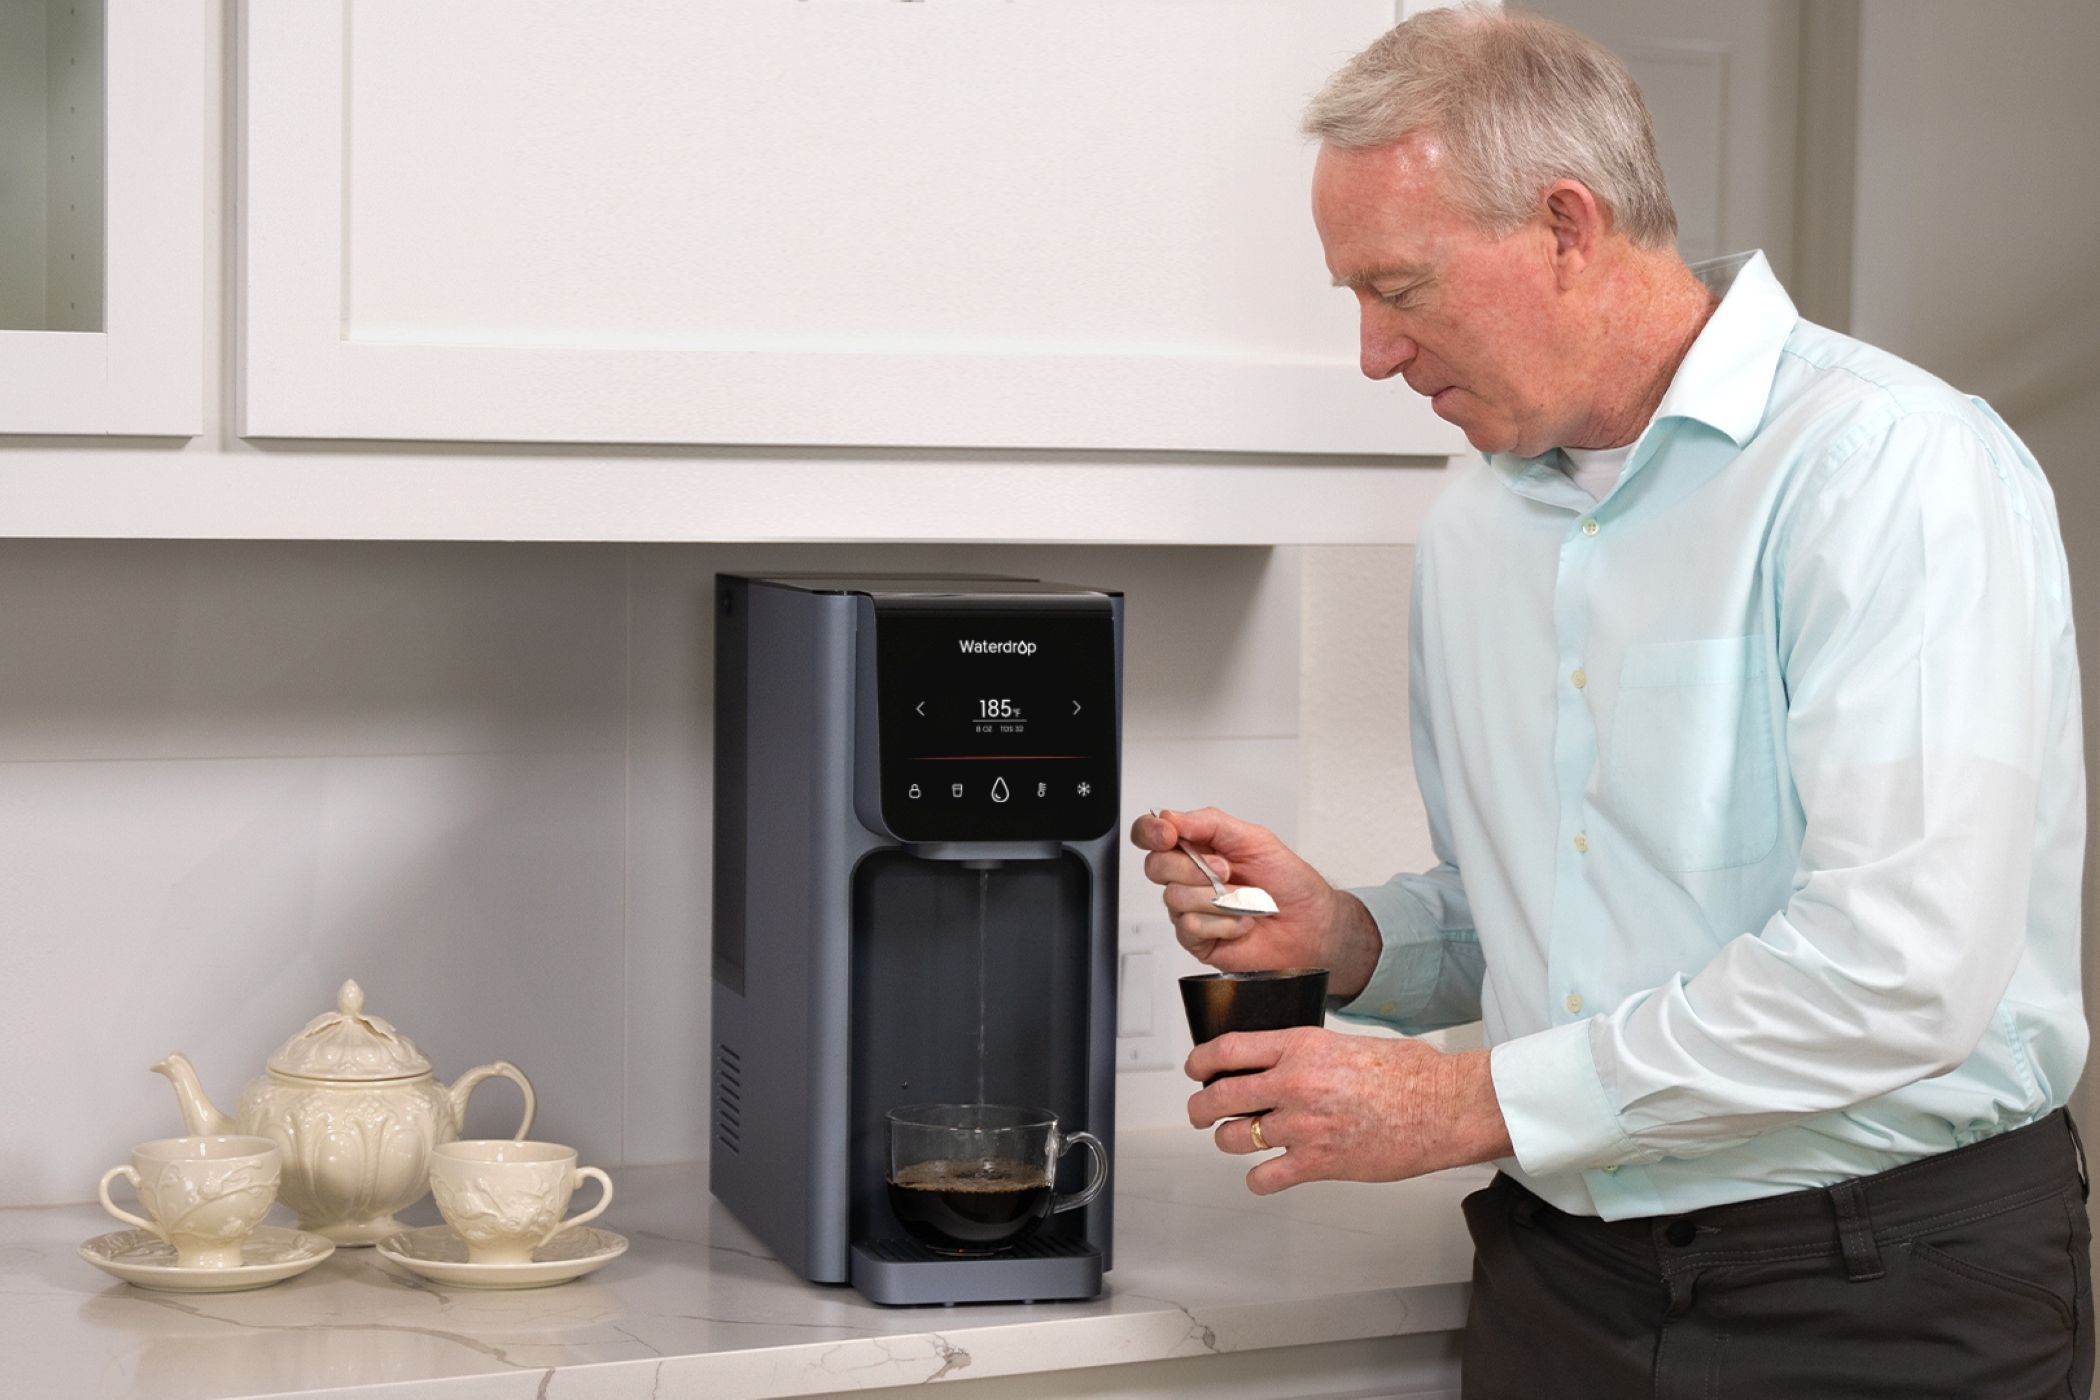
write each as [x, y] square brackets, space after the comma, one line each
[914, 793]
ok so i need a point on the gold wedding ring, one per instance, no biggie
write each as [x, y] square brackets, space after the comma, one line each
[1260, 1144]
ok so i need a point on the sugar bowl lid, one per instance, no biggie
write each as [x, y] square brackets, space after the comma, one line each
[347, 1044]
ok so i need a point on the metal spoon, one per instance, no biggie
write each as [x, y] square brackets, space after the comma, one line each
[1247, 901]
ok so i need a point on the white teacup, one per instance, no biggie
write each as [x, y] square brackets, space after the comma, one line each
[505, 1198]
[206, 1194]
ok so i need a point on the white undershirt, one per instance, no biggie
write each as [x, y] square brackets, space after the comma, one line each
[1596, 470]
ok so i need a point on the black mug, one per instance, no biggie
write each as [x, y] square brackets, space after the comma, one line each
[1276, 1000]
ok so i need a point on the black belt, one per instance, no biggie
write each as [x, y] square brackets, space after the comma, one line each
[1854, 1217]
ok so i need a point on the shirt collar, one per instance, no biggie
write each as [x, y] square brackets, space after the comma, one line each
[1726, 377]
[1723, 381]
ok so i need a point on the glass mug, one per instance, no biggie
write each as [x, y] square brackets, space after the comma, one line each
[976, 1178]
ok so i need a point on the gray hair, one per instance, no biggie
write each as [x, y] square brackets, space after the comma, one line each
[1517, 102]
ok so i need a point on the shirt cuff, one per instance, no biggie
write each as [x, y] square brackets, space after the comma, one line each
[1410, 958]
[1553, 1101]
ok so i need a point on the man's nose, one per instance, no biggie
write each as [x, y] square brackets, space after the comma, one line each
[1385, 349]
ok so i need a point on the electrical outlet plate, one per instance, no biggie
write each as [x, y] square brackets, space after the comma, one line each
[1164, 1043]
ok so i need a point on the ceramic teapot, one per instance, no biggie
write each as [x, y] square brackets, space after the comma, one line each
[354, 1106]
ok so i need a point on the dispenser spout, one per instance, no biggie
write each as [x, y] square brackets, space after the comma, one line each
[984, 855]
[198, 1114]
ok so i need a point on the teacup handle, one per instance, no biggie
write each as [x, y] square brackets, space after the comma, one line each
[1097, 1171]
[131, 1175]
[604, 1200]
[503, 1069]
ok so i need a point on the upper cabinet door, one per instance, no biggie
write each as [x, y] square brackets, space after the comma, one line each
[102, 143]
[1063, 224]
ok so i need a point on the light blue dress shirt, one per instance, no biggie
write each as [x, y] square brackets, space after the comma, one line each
[1756, 785]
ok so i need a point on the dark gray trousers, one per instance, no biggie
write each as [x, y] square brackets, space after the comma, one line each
[1963, 1276]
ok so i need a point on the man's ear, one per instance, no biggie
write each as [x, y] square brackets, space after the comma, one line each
[1577, 223]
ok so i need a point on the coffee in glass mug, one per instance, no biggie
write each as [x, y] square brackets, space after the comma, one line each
[978, 1178]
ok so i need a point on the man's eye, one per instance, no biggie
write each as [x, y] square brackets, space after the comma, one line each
[1402, 299]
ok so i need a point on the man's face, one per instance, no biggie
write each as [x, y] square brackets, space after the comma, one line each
[1465, 319]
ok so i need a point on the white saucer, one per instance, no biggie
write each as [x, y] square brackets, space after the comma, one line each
[143, 1258]
[439, 1254]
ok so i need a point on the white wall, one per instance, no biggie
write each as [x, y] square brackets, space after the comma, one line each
[477, 779]
[1360, 814]
[1975, 238]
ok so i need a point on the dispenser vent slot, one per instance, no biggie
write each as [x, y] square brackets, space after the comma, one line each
[729, 1098]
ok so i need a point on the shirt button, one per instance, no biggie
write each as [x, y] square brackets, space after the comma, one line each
[1589, 526]
[1612, 1170]
[1573, 1003]
[1580, 679]
[1582, 845]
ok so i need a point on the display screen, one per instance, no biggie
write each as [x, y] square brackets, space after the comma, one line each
[997, 725]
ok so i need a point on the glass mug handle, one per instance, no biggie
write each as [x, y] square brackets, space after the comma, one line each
[1097, 1171]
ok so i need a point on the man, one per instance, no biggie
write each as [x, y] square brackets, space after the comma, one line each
[1745, 712]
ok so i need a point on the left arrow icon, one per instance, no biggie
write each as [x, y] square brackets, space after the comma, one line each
[922, 708]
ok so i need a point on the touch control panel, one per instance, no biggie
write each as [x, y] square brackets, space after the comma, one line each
[997, 725]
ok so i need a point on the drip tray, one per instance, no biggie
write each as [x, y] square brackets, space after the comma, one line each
[1042, 1269]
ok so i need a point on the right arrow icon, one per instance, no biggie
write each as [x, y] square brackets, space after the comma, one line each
[1075, 707]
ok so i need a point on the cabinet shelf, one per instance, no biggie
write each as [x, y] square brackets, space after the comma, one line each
[458, 492]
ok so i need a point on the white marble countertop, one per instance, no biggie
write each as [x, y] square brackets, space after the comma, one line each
[696, 1307]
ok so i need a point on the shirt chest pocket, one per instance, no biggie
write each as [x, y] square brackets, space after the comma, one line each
[1693, 770]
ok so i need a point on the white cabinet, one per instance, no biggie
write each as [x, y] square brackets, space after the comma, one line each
[715, 270]
[1035, 224]
[142, 371]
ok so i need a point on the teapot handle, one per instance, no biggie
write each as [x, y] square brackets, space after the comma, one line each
[501, 1068]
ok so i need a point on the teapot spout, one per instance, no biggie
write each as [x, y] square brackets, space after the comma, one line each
[198, 1115]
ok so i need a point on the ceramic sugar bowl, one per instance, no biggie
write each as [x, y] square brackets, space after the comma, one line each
[354, 1106]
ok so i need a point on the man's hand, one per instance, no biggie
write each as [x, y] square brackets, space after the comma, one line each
[1347, 1107]
[1316, 925]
